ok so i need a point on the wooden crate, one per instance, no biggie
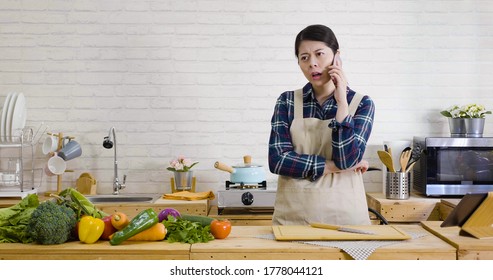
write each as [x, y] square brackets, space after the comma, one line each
[243, 219]
[413, 210]
[194, 207]
[446, 206]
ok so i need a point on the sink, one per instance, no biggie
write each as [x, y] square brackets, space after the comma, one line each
[124, 198]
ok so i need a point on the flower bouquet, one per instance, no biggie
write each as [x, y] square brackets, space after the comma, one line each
[181, 164]
[183, 175]
[466, 111]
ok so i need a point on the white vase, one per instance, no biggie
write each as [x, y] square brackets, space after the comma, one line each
[183, 180]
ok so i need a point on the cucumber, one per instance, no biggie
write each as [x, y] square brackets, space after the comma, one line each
[203, 220]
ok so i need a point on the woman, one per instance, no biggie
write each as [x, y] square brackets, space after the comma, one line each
[318, 138]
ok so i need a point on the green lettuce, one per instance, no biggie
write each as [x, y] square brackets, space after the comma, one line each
[14, 219]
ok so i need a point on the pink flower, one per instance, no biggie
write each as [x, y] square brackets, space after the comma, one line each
[181, 164]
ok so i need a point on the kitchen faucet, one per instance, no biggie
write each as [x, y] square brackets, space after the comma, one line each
[108, 144]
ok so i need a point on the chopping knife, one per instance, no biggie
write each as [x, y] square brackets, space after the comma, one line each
[340, 228]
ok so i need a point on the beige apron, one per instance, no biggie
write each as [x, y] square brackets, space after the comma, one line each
[336, 198]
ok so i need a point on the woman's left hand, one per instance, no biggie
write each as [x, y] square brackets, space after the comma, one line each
[339, 79]
[362, 166]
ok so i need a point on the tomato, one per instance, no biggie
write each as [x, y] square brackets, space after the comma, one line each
[220, 229]
[109, 229]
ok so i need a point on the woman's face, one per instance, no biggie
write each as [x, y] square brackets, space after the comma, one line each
[314, 58]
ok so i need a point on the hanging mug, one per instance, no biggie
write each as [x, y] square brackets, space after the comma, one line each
[70, 150]
[55, 166]
[50, 144]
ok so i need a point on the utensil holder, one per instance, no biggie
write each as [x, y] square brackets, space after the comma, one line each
[398, 185]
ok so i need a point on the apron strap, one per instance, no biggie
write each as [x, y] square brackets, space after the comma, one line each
[354, 103]
[298, 104]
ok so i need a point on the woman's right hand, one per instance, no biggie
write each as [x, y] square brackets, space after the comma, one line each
[361, 166]
[338, 78]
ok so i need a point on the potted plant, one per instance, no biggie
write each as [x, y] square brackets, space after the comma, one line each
[466, 121]
[183, 175]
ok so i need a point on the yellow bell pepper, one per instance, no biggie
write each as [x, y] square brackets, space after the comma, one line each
[90, 229]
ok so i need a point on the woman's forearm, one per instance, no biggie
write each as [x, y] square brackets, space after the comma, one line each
[330, 167]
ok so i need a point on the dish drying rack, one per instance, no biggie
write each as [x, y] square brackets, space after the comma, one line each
[13, 175]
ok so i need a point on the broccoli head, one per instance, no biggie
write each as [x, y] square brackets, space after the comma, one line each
[51, 223]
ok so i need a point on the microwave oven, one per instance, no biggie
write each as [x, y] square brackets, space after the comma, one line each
[451, 166]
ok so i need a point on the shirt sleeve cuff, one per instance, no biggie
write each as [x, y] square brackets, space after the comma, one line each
[347, 122]
[318, 169]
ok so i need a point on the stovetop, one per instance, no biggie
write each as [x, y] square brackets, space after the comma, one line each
[242, 186]
[246, 198]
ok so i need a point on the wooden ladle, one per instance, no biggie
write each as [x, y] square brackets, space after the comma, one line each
[386, 159]
[404, 158]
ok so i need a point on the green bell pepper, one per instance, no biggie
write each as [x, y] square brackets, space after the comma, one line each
[139, 223]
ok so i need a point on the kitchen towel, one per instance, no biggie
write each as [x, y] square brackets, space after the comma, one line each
[186, 195]
[358, 250]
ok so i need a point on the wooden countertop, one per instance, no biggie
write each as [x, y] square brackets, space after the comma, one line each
[468, 248]
[240, 245]
[101, 250]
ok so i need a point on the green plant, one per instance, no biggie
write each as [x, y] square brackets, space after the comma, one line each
[466, 111]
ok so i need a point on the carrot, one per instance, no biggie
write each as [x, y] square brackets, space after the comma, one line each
[155, 233]
[119, 220]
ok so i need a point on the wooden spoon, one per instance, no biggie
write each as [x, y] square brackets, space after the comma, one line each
[386, 159]
[404, 158]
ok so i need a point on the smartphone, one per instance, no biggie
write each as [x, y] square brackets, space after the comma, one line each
[337, 59]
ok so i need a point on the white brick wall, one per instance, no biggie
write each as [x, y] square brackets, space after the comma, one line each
[200, 78]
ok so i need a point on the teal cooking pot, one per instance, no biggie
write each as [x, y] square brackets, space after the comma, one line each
[246, 173]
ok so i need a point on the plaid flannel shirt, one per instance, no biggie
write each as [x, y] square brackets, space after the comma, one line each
[349, 137]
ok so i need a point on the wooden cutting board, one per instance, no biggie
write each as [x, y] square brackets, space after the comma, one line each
[299, 232]
[86, 186]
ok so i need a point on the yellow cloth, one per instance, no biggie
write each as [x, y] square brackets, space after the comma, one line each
[186, 195]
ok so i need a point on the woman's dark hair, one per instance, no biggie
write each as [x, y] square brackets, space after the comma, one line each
[317, 32]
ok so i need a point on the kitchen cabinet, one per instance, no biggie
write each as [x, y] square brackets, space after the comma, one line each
[413, 210]
[468, 248]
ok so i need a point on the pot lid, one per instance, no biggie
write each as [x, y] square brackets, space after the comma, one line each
[247, 165]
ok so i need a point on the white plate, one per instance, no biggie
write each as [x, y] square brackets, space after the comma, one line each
[8, 124]
[3, 121]
[18, 118]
